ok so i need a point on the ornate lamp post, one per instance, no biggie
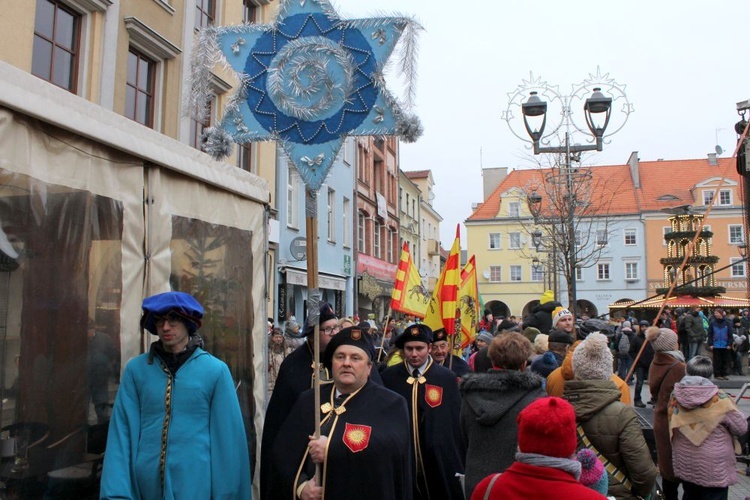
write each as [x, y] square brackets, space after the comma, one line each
[597, 112]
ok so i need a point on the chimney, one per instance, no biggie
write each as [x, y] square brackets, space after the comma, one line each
[712, 159]
[491, 178]
[634, 171]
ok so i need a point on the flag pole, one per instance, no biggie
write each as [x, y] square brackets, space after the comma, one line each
[382, 340]
[313, 302]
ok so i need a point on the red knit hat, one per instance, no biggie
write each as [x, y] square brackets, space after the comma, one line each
[548, 427]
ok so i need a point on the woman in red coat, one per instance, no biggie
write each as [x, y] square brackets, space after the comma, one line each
[546, 467]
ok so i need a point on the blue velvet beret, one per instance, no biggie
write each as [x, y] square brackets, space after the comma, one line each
[180, 303]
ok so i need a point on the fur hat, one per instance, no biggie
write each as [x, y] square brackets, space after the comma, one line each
[182, 304]
[418, 332]
[662, 339]
[558, 313]
[547, 296]
[592, 359]
[548, 427]
[593, 474]
[354, 336]
[326, 313]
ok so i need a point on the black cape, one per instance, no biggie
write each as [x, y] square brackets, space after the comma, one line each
[295, 377]
[368, 455]
[459, 366]
[439, 448]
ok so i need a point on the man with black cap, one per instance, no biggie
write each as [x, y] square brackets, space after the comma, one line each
[440, 351]
[364, 443]
[176, 429]
[434, 405]
[295, 377]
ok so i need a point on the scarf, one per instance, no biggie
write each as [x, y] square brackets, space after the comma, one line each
[572, 467]
[698, 423]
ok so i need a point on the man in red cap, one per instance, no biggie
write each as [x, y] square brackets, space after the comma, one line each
[176, 429]
[434, 404]
[364, 444]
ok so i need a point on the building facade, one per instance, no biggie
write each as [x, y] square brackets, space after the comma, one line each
[428, 260]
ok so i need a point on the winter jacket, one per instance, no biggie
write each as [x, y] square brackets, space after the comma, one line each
[666, 370]
[693, 328]
[556, 380]
[541, 316]
[648, 352]
[707, 458]
[720, 333]
[613, 428]
[491, 403]
[526, 482]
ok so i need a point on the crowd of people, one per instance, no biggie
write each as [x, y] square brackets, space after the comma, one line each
[544, 405]
[540, 408]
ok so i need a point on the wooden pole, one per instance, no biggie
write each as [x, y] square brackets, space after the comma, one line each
[313, 302]
[382, 340]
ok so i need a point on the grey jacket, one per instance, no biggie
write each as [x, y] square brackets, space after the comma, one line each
[491, 403]
[693, 326]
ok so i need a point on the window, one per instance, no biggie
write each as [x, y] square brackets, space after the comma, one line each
[139, 90]
[602, 272]
[348, 151]
[515, 273]
[630, 237]
[578, 236]
[391, 242]
[250, 12]
[739, 269]
[291, 197]
[579, 273]
[377, 244]
[725, 197]
[631, 271]
[601, 237]
[205, 13]
[331, 210]
[515, 240]
[361, 232]
[345, 222]
[537, 273]
[197, 128]
[245, 156]
[736, 234]
[495, 239]
[496, 273]
[56, 44]
[514, 209]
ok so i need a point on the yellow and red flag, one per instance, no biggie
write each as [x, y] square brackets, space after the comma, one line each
[409, 296]
[468, 301]
[441, 312]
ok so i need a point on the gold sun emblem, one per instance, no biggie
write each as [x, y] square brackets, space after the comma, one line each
[356, 436]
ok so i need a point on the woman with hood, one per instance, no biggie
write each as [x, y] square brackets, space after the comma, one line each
[702, 423]
[667, 368]
[490, 405]
[609, 425]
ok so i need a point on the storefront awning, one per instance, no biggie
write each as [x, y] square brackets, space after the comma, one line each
[684, 301]
[326, 281]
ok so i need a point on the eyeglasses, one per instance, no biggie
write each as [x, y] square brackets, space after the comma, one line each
[331, 330]
[170, 318]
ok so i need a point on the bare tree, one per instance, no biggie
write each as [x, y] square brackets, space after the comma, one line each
[570, 207]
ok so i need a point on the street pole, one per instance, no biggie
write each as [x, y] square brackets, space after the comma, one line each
[572, 302]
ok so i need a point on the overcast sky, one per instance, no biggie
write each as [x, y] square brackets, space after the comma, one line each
[681, 61]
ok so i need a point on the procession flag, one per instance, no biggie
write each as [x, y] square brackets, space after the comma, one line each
[409, 296]
[468, 298]
[441, 312]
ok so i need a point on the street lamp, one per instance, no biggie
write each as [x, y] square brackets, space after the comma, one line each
[597, 112]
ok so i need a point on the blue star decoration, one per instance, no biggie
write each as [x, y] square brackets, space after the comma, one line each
[311, 79]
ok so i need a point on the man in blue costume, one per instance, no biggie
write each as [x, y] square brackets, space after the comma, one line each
[364, 446]
[434, 402]
[295, 377]
[176, 429]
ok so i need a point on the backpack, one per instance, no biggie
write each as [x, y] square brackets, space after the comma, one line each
[623, 346]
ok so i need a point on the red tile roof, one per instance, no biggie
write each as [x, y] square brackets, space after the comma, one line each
[657, 179]
[417, 174]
